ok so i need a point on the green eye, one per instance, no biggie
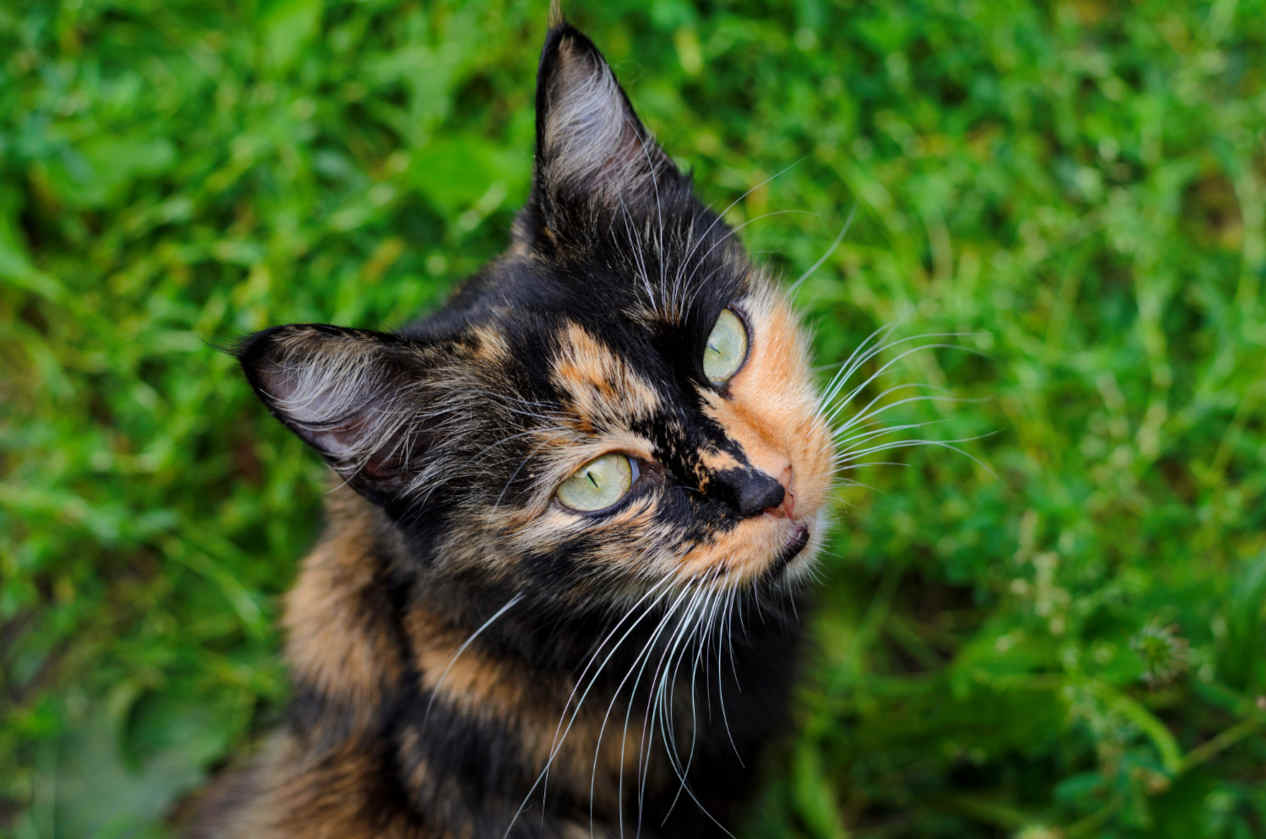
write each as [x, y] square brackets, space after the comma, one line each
[598, 484]
[727, 348]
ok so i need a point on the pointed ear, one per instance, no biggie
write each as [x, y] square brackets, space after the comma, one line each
[357, 397]
[589, 142]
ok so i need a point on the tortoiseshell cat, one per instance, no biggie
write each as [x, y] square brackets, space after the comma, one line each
[577, 509]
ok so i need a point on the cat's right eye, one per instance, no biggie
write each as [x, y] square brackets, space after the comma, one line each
[726, 349]
[598, 484]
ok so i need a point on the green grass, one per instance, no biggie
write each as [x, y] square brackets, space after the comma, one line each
[1068, 643]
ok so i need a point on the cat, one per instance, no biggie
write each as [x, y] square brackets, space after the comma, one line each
[562, 586]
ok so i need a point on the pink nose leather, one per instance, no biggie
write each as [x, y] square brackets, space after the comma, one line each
[787, 509]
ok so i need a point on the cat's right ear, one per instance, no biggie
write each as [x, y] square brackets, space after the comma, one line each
[590, 144]
[358, 397]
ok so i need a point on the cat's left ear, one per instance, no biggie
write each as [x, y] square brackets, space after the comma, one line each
[370, 403]
[590, 145]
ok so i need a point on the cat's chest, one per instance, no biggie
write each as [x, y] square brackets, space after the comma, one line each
[664, 734]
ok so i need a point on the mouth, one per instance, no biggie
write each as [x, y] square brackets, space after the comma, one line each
[795, 544]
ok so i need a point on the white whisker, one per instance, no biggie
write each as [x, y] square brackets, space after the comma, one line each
[849, 456]
[557, 744]
[436, 687]
[839, 237]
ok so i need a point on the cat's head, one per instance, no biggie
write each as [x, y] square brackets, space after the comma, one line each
[620, 402]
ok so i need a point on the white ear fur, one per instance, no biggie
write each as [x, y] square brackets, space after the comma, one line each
[354, 400]
[591, 139]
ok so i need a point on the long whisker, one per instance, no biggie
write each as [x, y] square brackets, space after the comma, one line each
[655, 713]
[560, 734]
[729, 234]
[638, 259]
[855, 359]
[674, 762]
[889, 363]
[643, 657]
[884, 394]
[868, 417]
[839, 237]
[659, 211]
[701, 635]
[906, 444]
[721, 216]
[652, 708]
[726, 632]
[881, 431]
[865, 353]
[436, 687]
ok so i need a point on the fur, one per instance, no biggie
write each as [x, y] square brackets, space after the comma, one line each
[457, 632]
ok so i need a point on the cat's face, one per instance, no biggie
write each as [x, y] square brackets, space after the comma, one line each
[620, 402]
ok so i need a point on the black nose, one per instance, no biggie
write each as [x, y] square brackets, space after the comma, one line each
[751, 491]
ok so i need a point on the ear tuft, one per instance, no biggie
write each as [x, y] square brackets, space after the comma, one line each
[589, 141]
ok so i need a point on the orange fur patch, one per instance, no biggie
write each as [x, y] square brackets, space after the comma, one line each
[321, 796]
[771, 411]
[603, 388]
[329, 642]
[490, 346]
[487, 688]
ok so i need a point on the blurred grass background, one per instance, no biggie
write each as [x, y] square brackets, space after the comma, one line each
[1072, 646]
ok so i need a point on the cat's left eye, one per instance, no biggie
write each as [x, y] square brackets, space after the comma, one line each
[598, 484]
[726, 349]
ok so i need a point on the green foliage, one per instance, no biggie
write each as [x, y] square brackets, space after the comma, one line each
[1066, 643]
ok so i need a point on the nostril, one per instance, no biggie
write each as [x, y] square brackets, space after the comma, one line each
[789, 502]
[759, 493]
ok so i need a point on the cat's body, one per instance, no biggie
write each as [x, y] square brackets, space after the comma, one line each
[382, 741]
[466, 622]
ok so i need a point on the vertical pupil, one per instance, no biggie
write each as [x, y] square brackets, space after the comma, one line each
[592, 479]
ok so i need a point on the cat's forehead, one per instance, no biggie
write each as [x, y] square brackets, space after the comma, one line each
[598, 362]
[593, 369]
[603, 332]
